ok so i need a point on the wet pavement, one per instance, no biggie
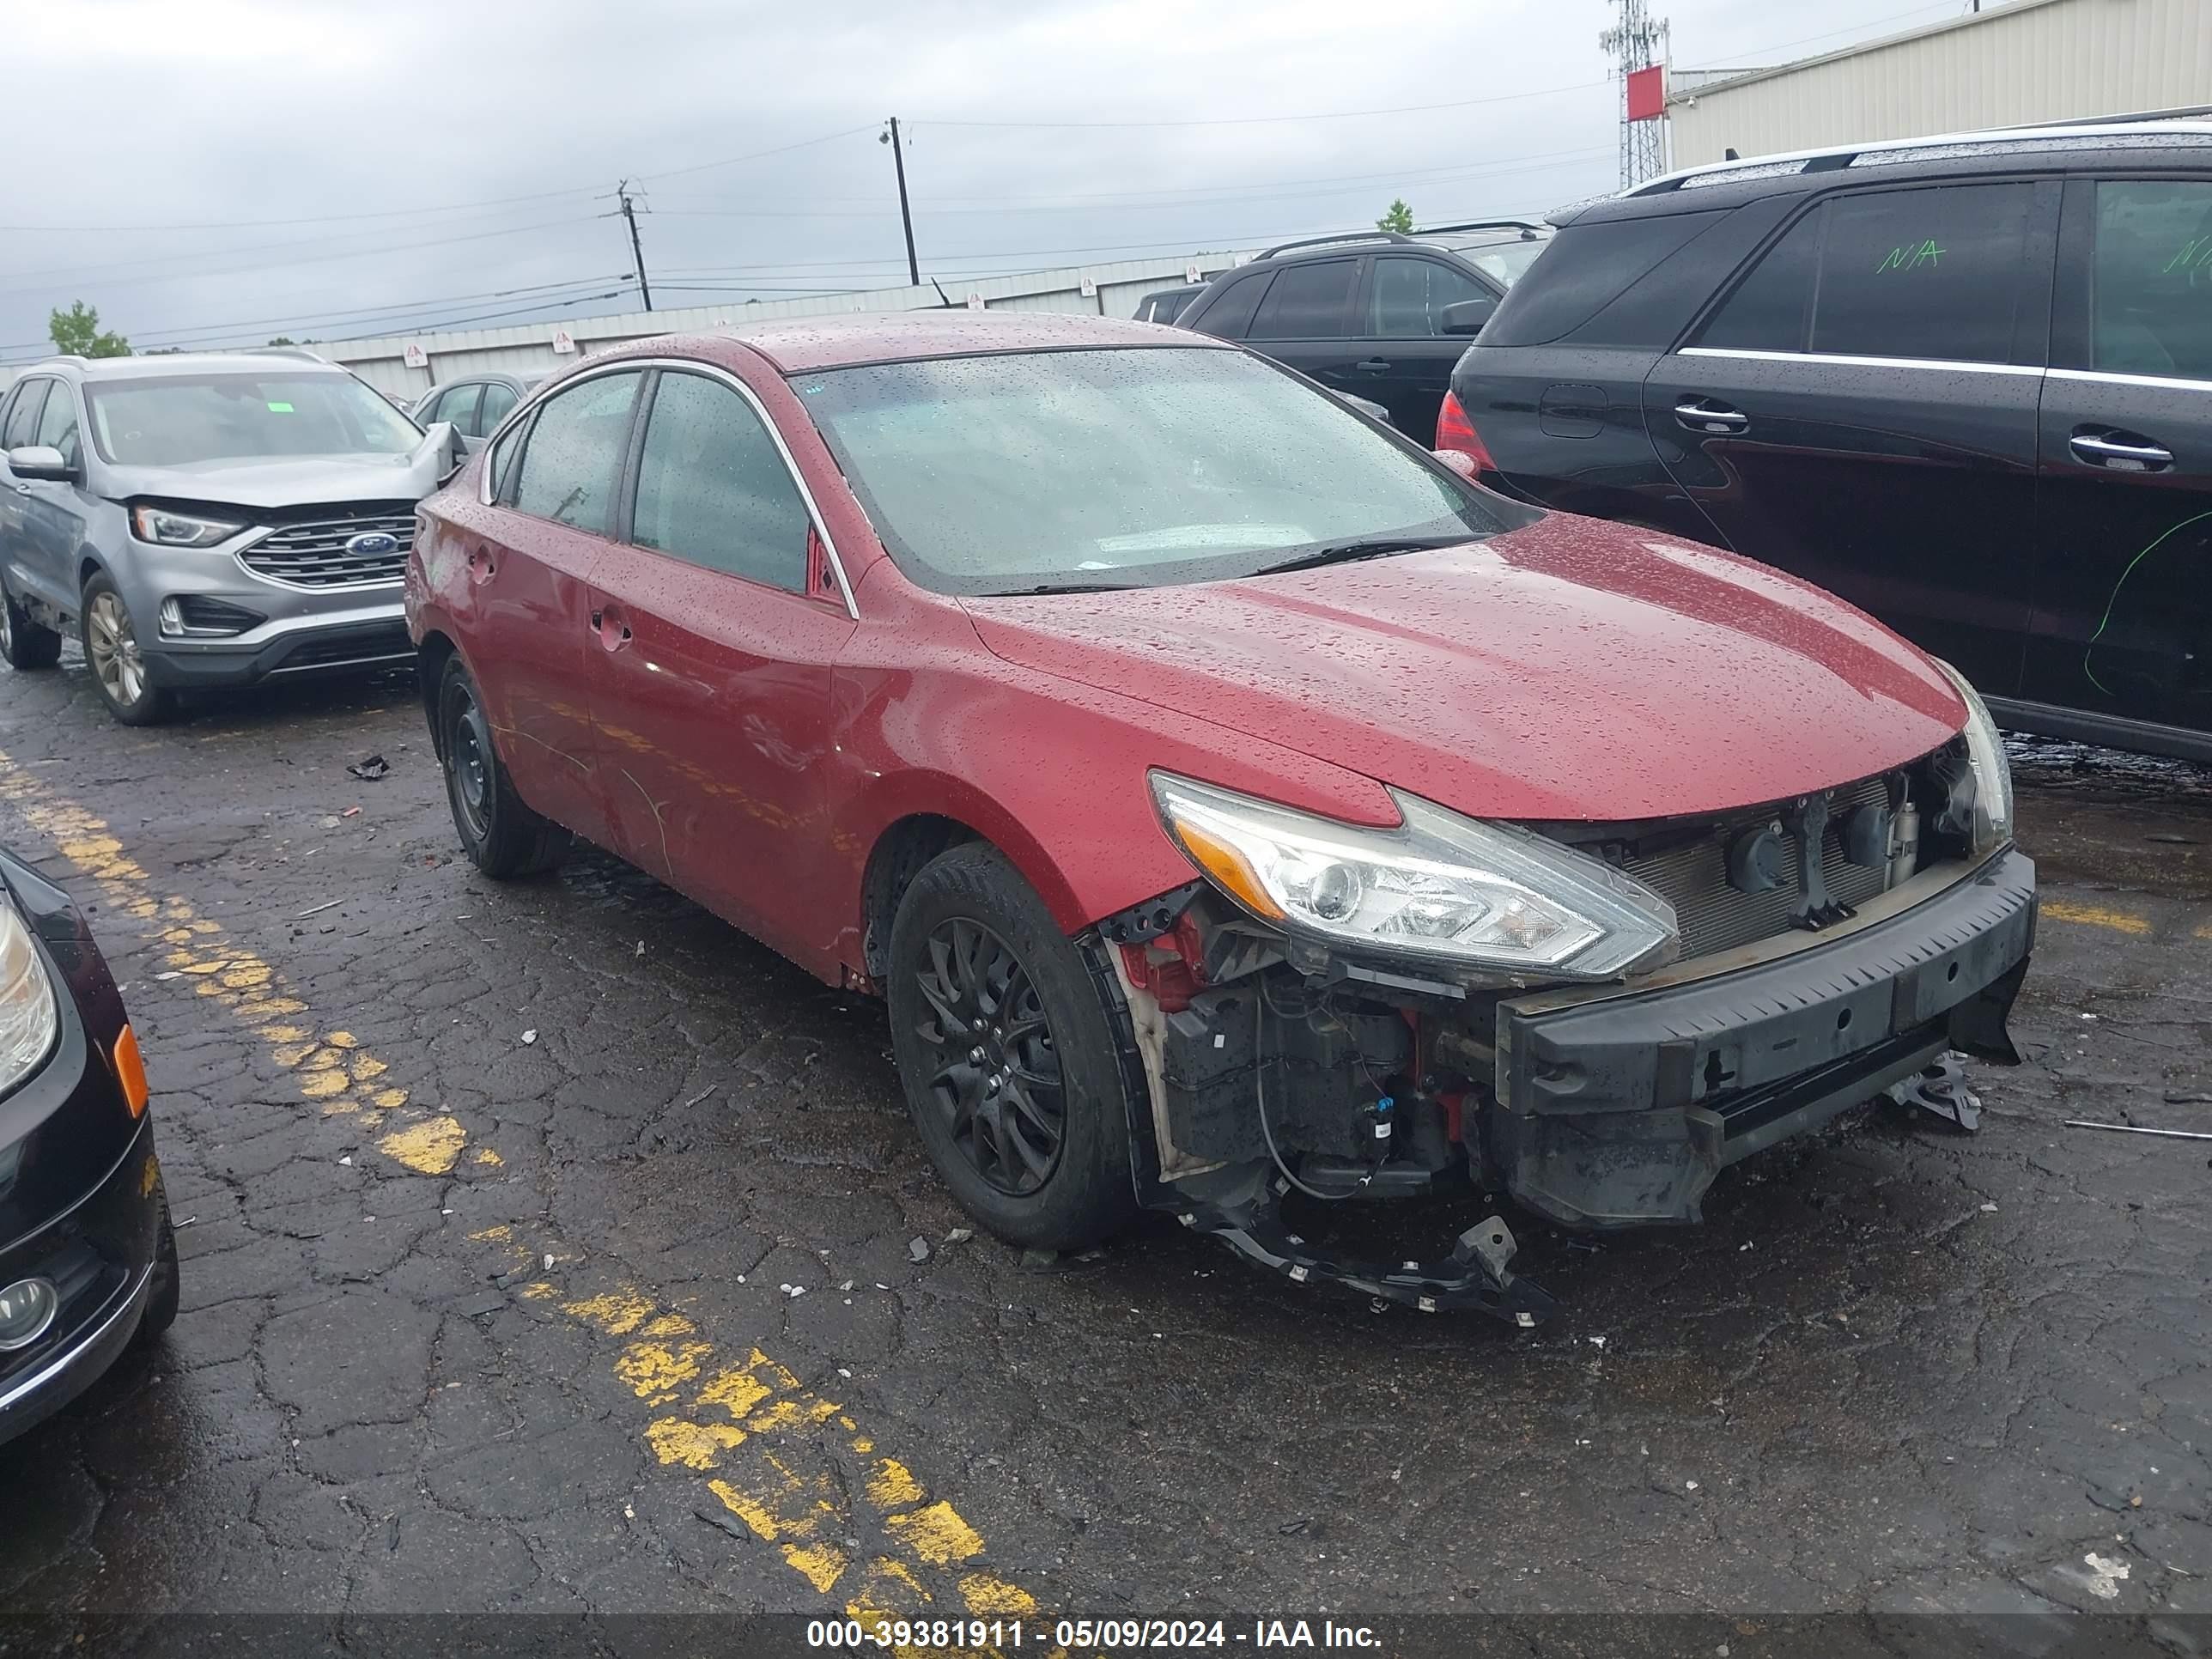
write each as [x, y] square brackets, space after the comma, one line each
[552, 1246]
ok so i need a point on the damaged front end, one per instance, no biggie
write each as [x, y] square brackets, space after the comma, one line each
[1593, 1019]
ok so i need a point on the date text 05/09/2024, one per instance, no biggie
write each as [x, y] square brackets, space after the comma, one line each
[904, 1634]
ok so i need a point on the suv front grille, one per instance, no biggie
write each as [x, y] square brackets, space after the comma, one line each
[1693, 877]
[313, 553]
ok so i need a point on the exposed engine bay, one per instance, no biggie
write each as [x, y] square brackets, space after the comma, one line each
[1825, 950]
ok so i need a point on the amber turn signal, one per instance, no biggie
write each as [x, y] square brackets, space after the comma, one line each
[131, 1072]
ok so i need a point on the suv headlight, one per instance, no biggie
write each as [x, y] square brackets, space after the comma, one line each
[1992, 772]
[29, 1016]
[159, 526]
[1439, 886]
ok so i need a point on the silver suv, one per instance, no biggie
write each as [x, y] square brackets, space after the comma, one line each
[207, 521]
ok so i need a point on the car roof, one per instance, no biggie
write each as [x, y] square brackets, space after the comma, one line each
[797, 344]
[2101, 135]
[186, 362]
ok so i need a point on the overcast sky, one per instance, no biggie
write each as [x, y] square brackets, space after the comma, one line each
[214, 171]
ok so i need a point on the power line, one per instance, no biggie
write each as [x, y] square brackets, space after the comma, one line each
[347, 316]
[308, 219]
[732, 161]
[1256, 193]
[305, 260]
[1323, 115]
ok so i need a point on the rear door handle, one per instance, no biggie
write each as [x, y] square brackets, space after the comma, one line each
[1710, 416]
[2096, 446]
[1371, 365]
[613, 631]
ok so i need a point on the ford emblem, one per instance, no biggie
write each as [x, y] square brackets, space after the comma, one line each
[372, 541]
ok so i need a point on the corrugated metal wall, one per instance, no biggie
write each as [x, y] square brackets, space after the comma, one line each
[528, 349]
[2033, 61]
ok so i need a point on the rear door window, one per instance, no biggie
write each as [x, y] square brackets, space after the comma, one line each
[1772, 307]
[1231, 315]
[498, 399]
[2151, 278]
[1407, 296]
[569, 471]
[1308, 302]
[1935, 273]
[458, 406]
[712, 487]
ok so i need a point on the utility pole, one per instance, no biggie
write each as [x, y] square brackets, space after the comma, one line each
[629, 210]
[906, 213]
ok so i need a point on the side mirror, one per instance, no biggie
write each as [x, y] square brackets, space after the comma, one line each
[41, 461]
[1467, 316]
[1460, 462]
[445, 438]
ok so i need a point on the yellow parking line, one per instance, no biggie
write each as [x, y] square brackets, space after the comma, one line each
[2096, 916]
[748, 1423]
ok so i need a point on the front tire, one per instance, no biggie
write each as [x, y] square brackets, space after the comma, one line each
[118, 668]
[1008, 1056]
[502, 835]
[26, 644]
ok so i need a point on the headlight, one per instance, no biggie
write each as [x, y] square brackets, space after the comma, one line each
[28, 1013]
[1439, 886]
[167, 529]
[1985, 754]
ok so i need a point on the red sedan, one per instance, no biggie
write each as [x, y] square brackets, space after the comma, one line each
[1225, 795]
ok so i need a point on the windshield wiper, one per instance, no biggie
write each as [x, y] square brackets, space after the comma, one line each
[1371, 547]
[1059, 587]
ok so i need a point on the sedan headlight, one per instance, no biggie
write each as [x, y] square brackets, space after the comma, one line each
[159, 526]
[1985, 754]
[1439, 886]
[28, 1013]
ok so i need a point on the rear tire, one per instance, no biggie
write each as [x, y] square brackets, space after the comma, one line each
[1008, 1055]
[111, 647]
[26, 644]
[502, 835]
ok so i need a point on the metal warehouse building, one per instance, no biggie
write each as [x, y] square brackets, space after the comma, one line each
[2031, 62]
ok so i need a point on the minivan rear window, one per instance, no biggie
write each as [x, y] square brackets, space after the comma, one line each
[1584, 268]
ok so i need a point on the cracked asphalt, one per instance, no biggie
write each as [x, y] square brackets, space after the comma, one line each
[550, 1248]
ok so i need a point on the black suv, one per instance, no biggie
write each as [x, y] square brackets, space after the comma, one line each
[1365, 314]
[1966, 383]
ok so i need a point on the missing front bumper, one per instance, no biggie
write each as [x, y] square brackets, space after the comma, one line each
[1618, 1111]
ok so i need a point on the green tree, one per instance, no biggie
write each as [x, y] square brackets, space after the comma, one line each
[1399, 218]
[284, 339]
[77, 332]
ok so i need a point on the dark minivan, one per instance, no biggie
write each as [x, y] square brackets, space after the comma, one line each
[1964, 382]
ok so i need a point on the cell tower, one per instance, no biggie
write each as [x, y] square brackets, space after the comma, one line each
[1638, 40]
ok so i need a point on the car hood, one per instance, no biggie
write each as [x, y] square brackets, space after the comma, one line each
[289, 481]
[1569, 670]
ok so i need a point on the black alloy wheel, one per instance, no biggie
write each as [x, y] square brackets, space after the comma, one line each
[996, 1080]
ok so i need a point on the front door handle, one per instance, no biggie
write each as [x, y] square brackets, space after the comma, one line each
[2118, 451]
[1371, 365]
[613, 631]
[1711, 415]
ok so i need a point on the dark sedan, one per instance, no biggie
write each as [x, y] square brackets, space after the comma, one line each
[87, 1256]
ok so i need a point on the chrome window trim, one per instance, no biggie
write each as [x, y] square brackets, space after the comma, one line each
[712, 371]
[1838, 360]
[2113, 377]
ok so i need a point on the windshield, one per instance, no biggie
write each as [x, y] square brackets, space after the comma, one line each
[174, 421]
[1503, 262]
[1034, 471]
